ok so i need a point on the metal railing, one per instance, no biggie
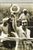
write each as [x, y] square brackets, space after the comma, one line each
[21, 43]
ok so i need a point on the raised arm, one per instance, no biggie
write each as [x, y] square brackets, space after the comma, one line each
[15, 24]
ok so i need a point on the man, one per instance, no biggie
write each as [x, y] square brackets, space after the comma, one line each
[25, 14]
[2, 34]
[22, 31]
[8, 43]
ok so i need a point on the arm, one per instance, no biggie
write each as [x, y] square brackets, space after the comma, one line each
[19, 18]
[15, 24]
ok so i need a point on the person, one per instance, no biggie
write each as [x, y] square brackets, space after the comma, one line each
[14, 11]
[23, 27]
[4, 25]
[2, 34]
[25, 14]
[8, 43]
[22, 31]
[12, 33]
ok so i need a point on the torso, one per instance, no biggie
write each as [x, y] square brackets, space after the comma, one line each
[22, 33]
[24, 16]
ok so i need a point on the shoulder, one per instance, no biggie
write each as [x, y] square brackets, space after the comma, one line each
[28, 30]
[22, 14]
[28, 14]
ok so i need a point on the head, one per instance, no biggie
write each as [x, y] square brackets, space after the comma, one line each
[25, 11]
[24, 23]
[5, 21]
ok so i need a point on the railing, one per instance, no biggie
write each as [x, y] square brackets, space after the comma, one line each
[21, 43]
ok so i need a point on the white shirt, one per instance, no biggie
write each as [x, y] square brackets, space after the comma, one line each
[5, 28]
[22, 16]
[3, 35]
[22, 33]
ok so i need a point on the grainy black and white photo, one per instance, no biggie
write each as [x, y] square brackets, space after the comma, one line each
[16, 26]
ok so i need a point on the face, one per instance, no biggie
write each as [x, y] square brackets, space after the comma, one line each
[24, 23]
[25, 12]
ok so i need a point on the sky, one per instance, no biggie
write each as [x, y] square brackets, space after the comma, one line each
[16, 0]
